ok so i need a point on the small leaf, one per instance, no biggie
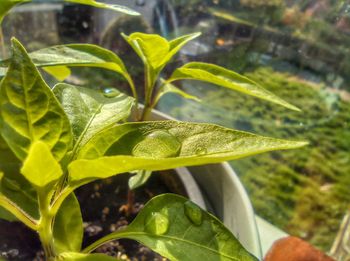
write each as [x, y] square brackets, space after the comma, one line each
[178, 229]
[151, 48]
[72, 256]
[170, 88]
[90, 111]
[74, 55]
[155, 51]
[178, 43]
[141, 177]
[165, 145]
[29, 111]
[6, 6]
[68, 228]
[59, 72]
[229, 79]
[114, 7]
[40, 167]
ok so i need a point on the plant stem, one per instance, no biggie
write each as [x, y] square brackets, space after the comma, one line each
[18, 212]
[46, 222]
[59, 199]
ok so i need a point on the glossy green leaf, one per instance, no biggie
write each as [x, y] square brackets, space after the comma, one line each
[59, 72]
[178, 229]
[72, 256]
[170, 88]
[114, 7]
[74, 55]
[155, 51]
[68, 228]
[229, 79]
[90, 111]
[40, 167]
[29, 111]
[165, 145]
[6, 6]
[140, 178]
[14, 186]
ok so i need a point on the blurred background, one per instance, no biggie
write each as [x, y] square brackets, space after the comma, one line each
[298, 49]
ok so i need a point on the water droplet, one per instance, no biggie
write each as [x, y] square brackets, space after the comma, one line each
[201, 151]
[157, 223]
[194, 213]
[110, 92]
[158, 144]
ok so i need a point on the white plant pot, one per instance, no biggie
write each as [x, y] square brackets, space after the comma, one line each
[217, 188]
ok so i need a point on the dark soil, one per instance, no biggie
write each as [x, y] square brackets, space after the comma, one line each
[102, 206]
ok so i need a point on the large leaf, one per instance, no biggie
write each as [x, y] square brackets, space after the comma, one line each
[165, 145]
[14, 186]
[73, 256]
[40, 167]
[29, 110]
[6, 6]
[178, 229]
[73, 55]
[68, 228]
[90, 111]
[229, 79]
[114, 7]
[155, 51]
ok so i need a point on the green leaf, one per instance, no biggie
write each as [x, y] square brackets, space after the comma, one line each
[155, 51]
[72, 256]
[6, 6]
[14, 186]
[68, 228]
[40, 167]
[91, 111]
[170, 88]
[114, 7]
[29, 110]
[141, 177]
[77, 55]
[165, 145]
[178, 229]
[229, 79]
[59, 72]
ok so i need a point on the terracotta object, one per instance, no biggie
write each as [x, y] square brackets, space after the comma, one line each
[295, 249]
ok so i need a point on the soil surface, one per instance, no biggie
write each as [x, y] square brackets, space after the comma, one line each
[103, 209]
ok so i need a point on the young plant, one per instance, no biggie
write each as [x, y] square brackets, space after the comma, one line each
[58, 140]
[55, 140]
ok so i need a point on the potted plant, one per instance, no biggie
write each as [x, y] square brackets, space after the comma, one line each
[57, 140]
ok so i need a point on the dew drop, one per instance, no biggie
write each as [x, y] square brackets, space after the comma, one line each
[158, 144]
[194, 213]
[110, 92]
[157, 223]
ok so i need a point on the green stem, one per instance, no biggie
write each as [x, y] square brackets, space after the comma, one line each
[18, 212]
[45, 229]
[149, 85]
[134, 93]
[55, 206]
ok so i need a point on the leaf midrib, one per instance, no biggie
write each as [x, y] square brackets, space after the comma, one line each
[129, 234]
